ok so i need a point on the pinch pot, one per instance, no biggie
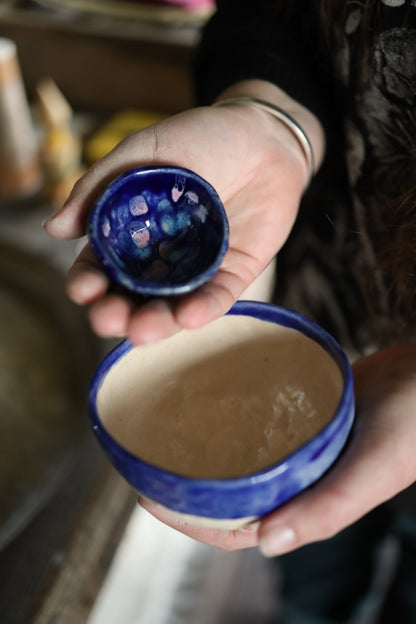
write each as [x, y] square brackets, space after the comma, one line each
[159, 231]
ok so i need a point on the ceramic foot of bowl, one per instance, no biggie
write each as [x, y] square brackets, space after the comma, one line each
[221, 524]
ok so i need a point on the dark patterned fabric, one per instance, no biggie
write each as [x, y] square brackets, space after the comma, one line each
[326, 268]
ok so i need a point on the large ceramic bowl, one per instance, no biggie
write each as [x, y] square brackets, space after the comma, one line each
[159, 231]
[223, 424]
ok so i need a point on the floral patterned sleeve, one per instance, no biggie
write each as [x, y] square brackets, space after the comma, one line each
[329, 267]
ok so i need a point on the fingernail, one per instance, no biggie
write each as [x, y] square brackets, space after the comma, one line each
[277, 541]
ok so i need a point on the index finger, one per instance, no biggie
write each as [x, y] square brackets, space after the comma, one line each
[224, 539]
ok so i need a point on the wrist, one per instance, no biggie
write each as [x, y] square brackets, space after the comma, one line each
[297, 132]
[307, 132]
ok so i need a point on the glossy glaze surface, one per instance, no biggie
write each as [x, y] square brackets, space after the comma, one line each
[159, 230]
[251, 495]
[230, 399]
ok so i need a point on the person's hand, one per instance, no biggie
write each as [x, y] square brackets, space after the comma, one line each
[378, 463]
[256, 166]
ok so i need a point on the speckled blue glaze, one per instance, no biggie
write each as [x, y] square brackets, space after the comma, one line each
[256, 494]
[159, 231]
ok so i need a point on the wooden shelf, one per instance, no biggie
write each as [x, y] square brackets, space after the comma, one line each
[102, 64]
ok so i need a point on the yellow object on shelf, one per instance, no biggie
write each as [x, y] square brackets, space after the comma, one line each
[61, 146]
[120, 126]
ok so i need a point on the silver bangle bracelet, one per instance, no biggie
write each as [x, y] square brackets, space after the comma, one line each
[285, 118]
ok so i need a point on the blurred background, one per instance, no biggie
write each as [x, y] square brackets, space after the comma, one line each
[76, 76]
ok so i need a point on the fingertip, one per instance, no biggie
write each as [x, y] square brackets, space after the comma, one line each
[49, 225]
[197, 311]
[152, 322]
[276, 540]
[109, 316]
[86, 287]
[64, 223]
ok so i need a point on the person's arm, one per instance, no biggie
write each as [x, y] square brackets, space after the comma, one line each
[379, 460]
[258, 168]
[252, 159]
[274, 95]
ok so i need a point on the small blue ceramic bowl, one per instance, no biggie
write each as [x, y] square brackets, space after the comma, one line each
[159, 231]
[231, 502]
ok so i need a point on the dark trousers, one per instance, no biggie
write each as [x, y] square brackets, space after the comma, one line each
[331, 581]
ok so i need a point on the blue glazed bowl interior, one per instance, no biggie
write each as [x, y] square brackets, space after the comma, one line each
[261, 373]
[159, 230]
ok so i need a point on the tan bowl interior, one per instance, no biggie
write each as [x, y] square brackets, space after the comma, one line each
[223, 401]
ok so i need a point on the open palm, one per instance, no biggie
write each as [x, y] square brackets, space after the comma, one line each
[257, 169]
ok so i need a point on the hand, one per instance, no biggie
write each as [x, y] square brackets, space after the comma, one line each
[258, 169]
[378, 463]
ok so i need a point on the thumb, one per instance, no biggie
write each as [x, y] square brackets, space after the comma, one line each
[366, 476]
[70, 220]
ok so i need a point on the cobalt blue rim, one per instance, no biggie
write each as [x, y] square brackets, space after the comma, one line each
[339, 428]
[147, 287]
